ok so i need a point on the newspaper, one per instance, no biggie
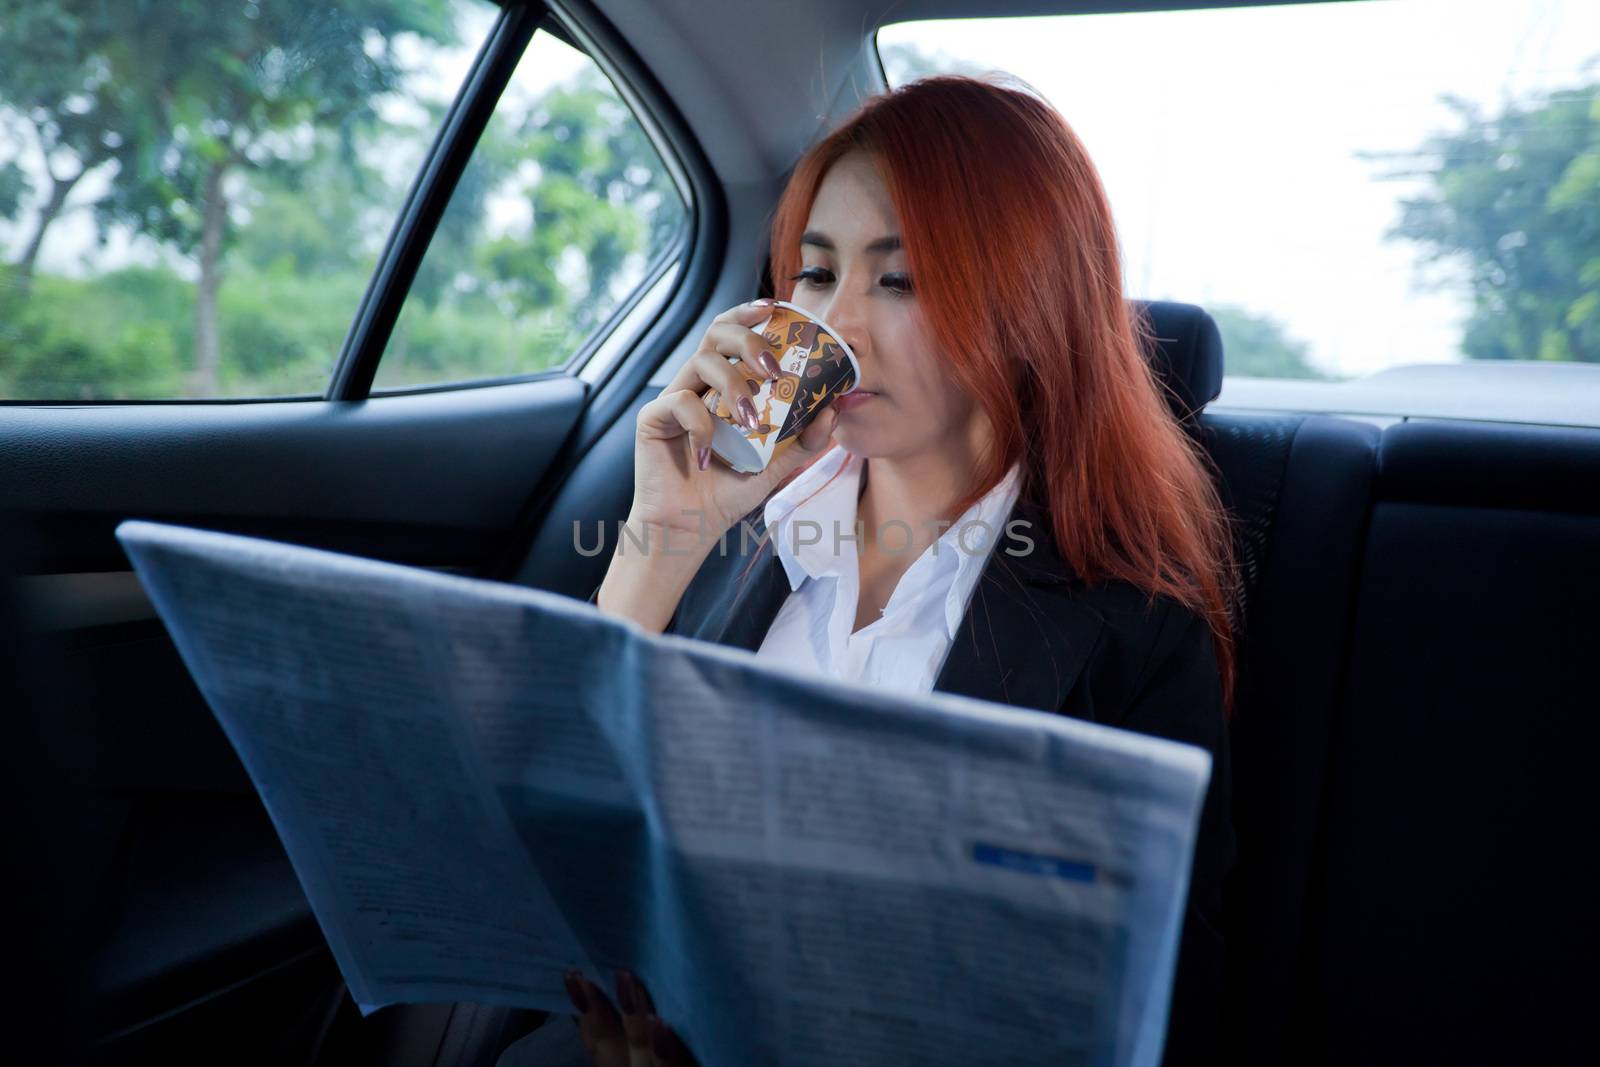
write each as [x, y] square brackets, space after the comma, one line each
[481, 785]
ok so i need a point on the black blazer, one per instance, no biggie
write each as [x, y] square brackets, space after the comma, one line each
[1036, 636]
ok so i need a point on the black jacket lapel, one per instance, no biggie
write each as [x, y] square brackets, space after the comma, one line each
[737, 593]
[1028, 631]
[755, 603]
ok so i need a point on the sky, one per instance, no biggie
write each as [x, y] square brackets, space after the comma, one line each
[1227, 140]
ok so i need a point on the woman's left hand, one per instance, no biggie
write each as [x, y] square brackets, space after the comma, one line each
[633, 1037]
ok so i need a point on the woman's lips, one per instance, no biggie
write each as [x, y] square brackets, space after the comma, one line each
[852, 400]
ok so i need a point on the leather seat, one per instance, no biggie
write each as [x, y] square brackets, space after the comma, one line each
[1453, 916]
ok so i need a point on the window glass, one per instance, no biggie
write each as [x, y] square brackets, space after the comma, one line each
[1346, 187]
[193, 196]
[564, 210]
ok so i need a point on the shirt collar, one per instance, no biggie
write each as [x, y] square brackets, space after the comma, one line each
[827, 504]
[973, 538]
[831, 505]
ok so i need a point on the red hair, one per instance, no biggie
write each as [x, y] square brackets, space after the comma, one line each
[1009, 238]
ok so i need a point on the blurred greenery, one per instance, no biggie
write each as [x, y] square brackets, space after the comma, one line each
[598, 209]
[1514, 200]
[1509, 200]
[242, 164]
[1259, 346]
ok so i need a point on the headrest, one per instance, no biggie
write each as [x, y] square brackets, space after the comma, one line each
[1188, 355]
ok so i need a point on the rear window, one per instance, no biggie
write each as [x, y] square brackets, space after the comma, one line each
[1346, 187]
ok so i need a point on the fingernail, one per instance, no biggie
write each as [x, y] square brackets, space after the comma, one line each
[770, 365]
[627, 996]
[703, 457]
[660, 1039]
[575, 993]
[763, 302]
[747, 412]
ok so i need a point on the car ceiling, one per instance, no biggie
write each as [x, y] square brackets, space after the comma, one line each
[755, 104]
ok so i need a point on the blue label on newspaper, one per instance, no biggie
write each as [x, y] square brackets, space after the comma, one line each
[1033, 863]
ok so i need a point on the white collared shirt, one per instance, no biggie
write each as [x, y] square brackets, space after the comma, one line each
[905, 648]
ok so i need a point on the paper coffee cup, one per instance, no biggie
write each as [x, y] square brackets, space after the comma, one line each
[815, 367]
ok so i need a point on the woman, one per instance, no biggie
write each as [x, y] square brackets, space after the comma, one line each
[955, 233]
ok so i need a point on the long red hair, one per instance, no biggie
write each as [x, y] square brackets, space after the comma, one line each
[1012, 250]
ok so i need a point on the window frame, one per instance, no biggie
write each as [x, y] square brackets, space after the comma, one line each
[603, 346]
[431, 191]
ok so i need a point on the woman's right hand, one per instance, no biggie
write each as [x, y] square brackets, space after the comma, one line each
[678, 486]
[633, 1037]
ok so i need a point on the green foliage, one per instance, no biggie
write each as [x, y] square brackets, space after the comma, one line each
[502, 301]
[124, 335]
[271, 116]
[60, 106]
[220, 85]
[1515, 200]
[107, 338]
[593, 193]
[1259, 346]
[201, 115]
[14, 188]
[462, 341]
[324, 214]
[281, 329]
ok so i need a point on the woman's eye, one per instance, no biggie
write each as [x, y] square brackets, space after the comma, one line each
[897, 283]
[814, 275]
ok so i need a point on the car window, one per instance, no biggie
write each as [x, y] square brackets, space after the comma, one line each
[1345, 187]
[193, 197]
[565, 210]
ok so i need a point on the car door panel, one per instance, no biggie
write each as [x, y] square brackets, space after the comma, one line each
[427, 478]
[197, 923]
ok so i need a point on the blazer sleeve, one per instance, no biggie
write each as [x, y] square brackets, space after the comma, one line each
[1180, 697]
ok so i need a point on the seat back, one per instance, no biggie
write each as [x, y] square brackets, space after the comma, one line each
[1455, 918]
[1298, 488]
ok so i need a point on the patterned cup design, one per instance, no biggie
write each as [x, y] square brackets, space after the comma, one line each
[815, 367]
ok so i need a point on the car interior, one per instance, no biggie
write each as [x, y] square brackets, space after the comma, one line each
[1417, 614]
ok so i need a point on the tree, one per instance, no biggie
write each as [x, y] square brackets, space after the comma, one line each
[1514, 199]
[321, 214]
[235, 89]
[55, 92]
[502, 291]
[598, 196]
[13, 189]
[1259, 346]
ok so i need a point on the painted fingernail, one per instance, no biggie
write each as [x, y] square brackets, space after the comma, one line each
[747, 412]
[575, 993]
[660, 1039]
[770, 365]
[627, 996]
[703, 457]
[762, 302]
